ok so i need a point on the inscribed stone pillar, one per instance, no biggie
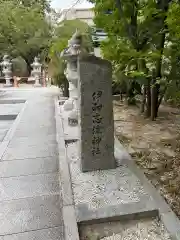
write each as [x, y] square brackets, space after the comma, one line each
[96, 115]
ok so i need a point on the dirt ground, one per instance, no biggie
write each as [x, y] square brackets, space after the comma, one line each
[155, 146]
[144, 229]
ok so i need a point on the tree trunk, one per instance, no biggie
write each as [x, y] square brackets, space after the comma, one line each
[157, 99]
[153, 103]
[142, 67]
[158, 75]
[148, 99]
[143, 100]
[121, 96]
[163, 5]
[153, 97]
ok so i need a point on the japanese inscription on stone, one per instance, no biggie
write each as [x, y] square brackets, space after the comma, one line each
[96, 122]
[96, 114]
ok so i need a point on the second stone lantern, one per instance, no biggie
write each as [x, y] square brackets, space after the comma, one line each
[36, 72]
[70, 55]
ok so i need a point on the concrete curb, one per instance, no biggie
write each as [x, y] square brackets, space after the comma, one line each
[69, 216]
[11, 131]
[129, 211]
[155, 206]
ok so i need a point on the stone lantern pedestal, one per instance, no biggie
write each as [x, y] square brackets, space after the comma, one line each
[7, 70]
[70, 55]
[36, 72]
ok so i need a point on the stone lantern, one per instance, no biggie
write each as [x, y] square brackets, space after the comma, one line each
[7, 70]
[70, 55]
[36, 72]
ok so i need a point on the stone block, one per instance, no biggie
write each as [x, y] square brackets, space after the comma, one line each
[21, 142]
[30, 214]
[29, 186]
[25, 167]
[96, 115]
[55, 233]
[43, 150]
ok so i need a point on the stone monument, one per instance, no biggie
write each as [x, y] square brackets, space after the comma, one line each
[36, 72]
[70, 55]
[96, 114]
[7, 70]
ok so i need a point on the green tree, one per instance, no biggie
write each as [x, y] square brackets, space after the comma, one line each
[173, 22]
[24, 31]
[67, 28]
[19, 67]
[43, 5]
[138, 44]
[63, 33]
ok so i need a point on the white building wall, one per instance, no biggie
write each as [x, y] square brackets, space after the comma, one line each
[83, 14]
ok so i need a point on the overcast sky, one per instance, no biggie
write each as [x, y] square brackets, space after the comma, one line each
[60, 4]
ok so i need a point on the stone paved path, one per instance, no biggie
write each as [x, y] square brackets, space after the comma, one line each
[30, 204]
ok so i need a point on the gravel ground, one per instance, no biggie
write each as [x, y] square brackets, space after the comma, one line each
[145, 229]
[103, 188]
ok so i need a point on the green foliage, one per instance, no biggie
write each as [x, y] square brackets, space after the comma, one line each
[56, 70]
[144, 38]
[19, 67]
[63, 33]
[67, 28]
[173, 22]
[173, 19]
[43, 5]
[24, 30]
[132, 34]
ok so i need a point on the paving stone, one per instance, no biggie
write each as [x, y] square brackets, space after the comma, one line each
[30, 203]
[7, 109]
[30, 214]
[12, 101]
[28, 166]
[4, 128]
[33, 140]
[3, 134]
[28, 186]
[41, 150]
[44, 234]
[26, 132]
[39, 126]
[5, 124]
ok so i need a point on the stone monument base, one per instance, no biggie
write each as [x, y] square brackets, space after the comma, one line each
[105, 196]
[8, 85]
[68, 105]
[70, 132]
[37, 85]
